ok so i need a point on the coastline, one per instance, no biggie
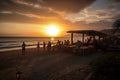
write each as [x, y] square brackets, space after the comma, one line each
[13, 43]
[16, 48]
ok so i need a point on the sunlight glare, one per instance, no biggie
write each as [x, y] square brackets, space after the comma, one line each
[52, 30]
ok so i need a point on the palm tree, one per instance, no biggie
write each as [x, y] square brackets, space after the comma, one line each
[116, 26]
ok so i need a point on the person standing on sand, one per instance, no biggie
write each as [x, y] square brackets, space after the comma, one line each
[44, 46]
[23, 48]
[49, 46]
[78, 44]
[38, 45]
[58, 43]
[65, 42]
[68, 42]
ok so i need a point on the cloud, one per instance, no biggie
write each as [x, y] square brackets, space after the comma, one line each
[28, 12]
[18, 18]
[99, 25]
[32, 19]
[16, 6]
[115, 0]
[77, 16]
[106, 14]
[71, 6]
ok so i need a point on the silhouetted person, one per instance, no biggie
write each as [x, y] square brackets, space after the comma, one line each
[65, 42]
[23, 48]
[79, 43]
[44, 46]
[58, 43]
[38, 45]
[62, 43]
[68, 42]
[89, 40]
[49, 46]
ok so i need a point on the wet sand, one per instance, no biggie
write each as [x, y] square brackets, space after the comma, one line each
[37, 64]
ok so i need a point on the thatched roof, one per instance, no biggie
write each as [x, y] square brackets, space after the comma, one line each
[88, 32]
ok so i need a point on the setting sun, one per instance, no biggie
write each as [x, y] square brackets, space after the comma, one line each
[52, 30]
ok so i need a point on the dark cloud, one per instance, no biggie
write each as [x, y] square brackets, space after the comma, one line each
[14, 6]
[33, 1]
[68, 5]
[18, 18]
[28, 7]
[115, 0]
[101, 14]
[19, 11]
[99, 25]
[71, 6]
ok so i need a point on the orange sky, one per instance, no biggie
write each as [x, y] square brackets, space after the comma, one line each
[30, 18]
[28, 30]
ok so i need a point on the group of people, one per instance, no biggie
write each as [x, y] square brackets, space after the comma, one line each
[65, 43]
[47, 46]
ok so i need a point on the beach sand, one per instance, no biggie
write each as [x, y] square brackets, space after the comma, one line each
[37, 64]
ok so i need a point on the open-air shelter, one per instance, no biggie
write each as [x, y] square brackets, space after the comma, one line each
[92, 33]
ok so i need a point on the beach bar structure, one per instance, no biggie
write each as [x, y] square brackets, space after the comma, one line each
[92, 33]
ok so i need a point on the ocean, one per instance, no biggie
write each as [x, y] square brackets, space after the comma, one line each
[13, 43]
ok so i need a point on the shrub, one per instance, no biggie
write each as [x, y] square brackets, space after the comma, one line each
[106, 67]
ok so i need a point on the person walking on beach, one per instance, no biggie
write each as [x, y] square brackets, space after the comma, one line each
[23, 48]
[44, 46]
[38, 45]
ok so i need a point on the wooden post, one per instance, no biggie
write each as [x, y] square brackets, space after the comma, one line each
[93, 37]
[99, 37]
[83, 44]
[71, 38]
[83, 39]
[103, 38]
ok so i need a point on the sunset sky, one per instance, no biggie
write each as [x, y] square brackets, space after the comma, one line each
[32, 17]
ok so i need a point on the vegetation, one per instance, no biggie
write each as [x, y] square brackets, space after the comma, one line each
[106, 67]
[116, 26]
